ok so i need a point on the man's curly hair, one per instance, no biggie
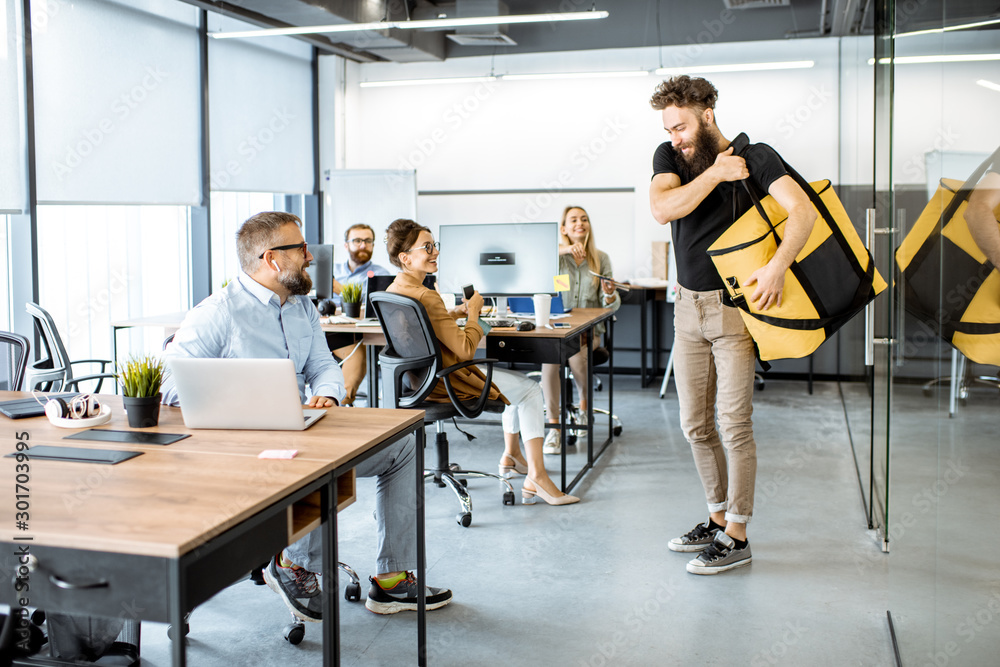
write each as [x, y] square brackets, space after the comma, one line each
[685, 92]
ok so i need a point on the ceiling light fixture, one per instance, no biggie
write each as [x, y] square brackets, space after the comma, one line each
[439, 24]
[737, 67]
[573, 75]
[924, 60]
[423, 82]
[952, 28]
[989, 84]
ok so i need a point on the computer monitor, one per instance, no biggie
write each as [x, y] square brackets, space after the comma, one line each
[506, 259]
[321, 270]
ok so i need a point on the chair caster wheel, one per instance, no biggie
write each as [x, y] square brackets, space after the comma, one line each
[38, 617]
[353, 592]
[464, 482]
[294, 633]
[571, 440]
[508, 497]
[257, 575]
[170, 631]
[617, 431]
[464, 519]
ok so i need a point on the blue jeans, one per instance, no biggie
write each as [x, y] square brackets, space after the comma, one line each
[395, 499]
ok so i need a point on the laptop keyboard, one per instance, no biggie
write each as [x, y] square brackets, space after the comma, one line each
[500, 322]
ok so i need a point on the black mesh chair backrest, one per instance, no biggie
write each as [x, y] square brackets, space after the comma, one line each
[13, 360]
[381, 284]
[410, 337]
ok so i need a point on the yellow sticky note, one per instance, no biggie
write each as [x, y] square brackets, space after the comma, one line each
[561, 283]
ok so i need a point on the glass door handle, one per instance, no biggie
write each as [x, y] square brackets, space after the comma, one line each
[870, 308]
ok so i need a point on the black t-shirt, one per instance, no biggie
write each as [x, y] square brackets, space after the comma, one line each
[696, 231]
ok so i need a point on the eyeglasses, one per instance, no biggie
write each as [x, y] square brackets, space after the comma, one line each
[427, 247]
[291, 246]
[362, 241]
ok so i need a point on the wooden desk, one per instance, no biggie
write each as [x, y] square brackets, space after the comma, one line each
[165, 531]
[549, 346]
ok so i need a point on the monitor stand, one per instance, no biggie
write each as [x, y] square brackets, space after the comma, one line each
[501, 306]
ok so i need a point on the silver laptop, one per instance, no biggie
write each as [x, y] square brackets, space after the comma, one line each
[259, 394]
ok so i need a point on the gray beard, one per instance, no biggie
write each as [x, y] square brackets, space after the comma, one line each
[299, 283]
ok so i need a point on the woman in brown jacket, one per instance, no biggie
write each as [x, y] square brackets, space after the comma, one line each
[412, 248]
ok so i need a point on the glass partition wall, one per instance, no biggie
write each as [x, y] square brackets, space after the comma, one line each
[934, 460]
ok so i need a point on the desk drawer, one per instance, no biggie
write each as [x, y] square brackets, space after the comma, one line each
[306, 515]
[528, 350]
[120, 585]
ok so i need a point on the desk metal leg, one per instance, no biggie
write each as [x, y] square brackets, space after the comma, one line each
[331, 585]
[642, 343]
[421, 551]
[371, 352]
[176, 586]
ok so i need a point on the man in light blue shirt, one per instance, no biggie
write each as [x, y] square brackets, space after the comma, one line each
[264, 314]
[359, 241]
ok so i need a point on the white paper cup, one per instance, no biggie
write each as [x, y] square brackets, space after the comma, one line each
[543, 306]
[449, 300]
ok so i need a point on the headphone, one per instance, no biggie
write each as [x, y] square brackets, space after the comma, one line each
[79, 407]
[275, 264]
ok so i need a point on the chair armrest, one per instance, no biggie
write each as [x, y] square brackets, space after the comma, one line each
[465, 364]
[476, 409]
[100, 377]
[396, 367]
[103, 362]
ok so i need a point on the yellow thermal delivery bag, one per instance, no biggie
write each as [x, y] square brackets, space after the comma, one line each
[945, 279]
[830, 281]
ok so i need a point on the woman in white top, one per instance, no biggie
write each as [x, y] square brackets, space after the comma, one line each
[578, 256]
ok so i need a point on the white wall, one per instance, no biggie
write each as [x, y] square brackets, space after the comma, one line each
[549, 137]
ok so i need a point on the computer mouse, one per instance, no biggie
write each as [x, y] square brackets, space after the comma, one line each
[525, 326]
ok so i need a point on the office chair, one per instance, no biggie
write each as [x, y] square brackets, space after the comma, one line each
[54, 371]
[14, 362]
[411, 368]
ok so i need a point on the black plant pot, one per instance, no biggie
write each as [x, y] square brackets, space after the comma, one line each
[142, 411]
[352, 309]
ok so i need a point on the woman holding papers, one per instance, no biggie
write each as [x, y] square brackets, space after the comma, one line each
[412, 248]
[580, 259]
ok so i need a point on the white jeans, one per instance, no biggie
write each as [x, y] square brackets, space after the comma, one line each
[524, 415]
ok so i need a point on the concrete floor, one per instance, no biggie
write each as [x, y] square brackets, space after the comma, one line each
[594, 584]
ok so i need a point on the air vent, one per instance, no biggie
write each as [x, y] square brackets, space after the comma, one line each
[756, 4]
[481, 39]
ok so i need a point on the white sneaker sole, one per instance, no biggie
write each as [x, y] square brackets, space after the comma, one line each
[385, 608]
[686, 548]
[716, 569]
[276, 587]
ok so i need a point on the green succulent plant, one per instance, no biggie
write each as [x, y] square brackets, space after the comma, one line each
[351, 293]
[141, 376]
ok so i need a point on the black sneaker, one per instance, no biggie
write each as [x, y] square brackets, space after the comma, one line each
[695, 540]
[298, 587]
[403, 596]
[721, 555]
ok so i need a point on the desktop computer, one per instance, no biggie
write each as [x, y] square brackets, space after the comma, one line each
[321, 270]
[499, 260]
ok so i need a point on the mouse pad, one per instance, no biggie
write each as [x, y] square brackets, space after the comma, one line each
[77, 454]
[133, 437]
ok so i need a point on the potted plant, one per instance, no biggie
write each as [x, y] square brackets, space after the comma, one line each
[350, 297]
[140, 379]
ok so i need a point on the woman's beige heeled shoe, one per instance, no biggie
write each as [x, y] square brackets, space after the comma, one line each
[530, 496]
[511, 470]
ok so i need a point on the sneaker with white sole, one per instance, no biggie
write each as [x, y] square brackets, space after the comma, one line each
[403, 596]
[721, 555]
[298, 587]
[551, 444]
[695, 539]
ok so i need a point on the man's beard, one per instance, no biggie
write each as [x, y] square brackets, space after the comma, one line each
[298, 283]
[706, 149]
[361, 256]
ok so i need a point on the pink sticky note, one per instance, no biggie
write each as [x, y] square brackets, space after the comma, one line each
[278, 454]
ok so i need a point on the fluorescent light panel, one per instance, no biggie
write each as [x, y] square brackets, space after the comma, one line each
[935, 31]
[923, 60]
[573, 75]
[423, 82]
[738, 67]
[989, 84]
[416, 25]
